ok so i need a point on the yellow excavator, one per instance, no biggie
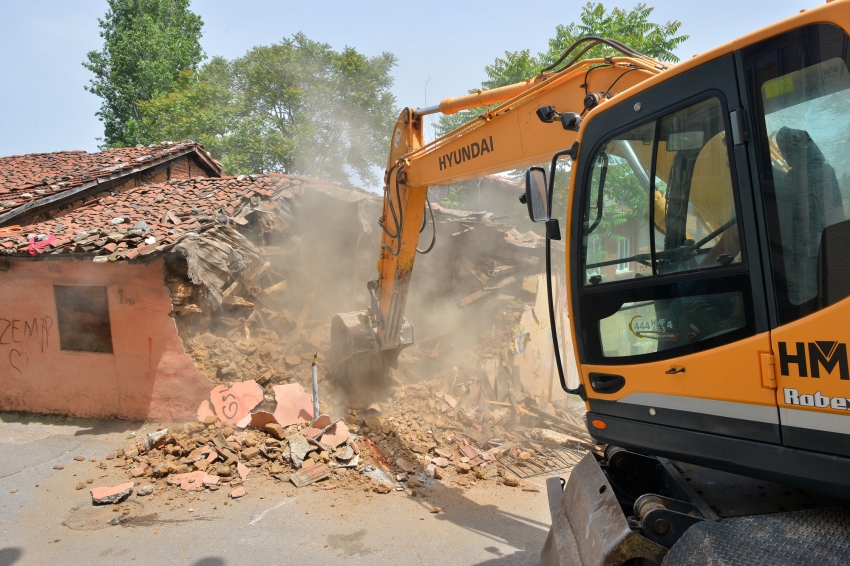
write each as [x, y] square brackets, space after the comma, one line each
[707, 235]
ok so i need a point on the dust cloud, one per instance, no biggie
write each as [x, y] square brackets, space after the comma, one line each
[326, 251]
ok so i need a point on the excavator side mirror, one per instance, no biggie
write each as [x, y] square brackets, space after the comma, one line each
[536, 196]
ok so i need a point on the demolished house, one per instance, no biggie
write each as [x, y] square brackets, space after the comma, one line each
[90, 299]
[40, 186]
[138, 304]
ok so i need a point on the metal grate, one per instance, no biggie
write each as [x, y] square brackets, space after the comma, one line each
[544, 460]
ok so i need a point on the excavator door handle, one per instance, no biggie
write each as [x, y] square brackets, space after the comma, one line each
[606, 383]
[674, 370]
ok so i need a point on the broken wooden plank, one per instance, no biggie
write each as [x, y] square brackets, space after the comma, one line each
[235, 301]
[501, 284]
[480, 275]
[276, 288]
[469, 299]
[231, 289]
[295, 335]
[468, 229]
[259, 272]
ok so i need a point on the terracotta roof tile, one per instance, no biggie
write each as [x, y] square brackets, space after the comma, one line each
[147, 218]
[28, 177]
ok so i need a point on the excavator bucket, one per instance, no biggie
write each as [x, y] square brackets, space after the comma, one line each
[357, 361]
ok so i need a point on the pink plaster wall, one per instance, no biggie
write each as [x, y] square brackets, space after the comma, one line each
[148, 375]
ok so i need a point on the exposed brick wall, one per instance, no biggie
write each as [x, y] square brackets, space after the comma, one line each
[180, 169]
[187, 168]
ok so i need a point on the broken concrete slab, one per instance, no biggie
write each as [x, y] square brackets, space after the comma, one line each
[311, 432]
[405, 465]
[298, 448]
[139, 471]
[275, 430]
[210, 480]
[155, 439]
[380, 476]
[552, 437]
[345, 453]
[250, 453]
[322, 422]
[375, 424]
[294, 405]
[111, 495]
[233, 403]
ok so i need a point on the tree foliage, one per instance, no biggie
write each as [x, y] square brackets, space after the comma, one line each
[631, 27]
[146, 45]
[296, 106]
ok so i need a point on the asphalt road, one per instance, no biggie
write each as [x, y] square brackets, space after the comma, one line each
[48, 522]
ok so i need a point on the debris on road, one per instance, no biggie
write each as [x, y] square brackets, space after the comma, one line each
[111, 495]
[306, 476]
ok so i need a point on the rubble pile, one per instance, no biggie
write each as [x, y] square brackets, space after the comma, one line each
[426, 432]
[457, 411]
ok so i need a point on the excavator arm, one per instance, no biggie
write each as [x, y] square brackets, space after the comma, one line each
[510, 135]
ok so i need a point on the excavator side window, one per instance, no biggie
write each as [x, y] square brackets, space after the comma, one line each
[693, 205]
[799, 87]
[617, 240]
[663, 267]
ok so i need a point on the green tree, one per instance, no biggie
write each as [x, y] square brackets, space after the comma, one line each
[297, 107]
[146, 44]
[631, 27]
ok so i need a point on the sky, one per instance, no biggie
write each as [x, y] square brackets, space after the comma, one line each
[442, 47]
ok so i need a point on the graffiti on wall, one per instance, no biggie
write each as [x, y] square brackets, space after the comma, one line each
[21, 337]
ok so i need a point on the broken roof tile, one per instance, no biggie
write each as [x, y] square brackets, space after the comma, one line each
[140, 221]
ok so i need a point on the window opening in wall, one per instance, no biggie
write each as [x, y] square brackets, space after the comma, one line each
[624, 250]
[83, 319]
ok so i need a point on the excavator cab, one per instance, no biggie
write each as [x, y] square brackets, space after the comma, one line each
[707, 295]
[706, 233]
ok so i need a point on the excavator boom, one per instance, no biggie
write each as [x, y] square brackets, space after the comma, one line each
[506, 136]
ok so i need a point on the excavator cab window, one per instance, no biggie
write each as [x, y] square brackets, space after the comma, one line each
[659, 205]
[690, 198]
[799, 85]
